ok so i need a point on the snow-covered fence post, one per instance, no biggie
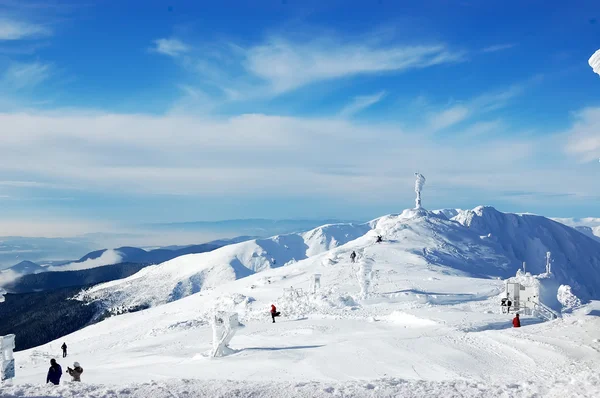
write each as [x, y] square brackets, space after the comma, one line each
[225, 324]
[365, 276]
[316, 283]
[7, 361]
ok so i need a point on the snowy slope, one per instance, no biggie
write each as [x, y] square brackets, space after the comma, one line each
[190, 274]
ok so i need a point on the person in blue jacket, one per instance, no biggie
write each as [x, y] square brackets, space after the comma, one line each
[54, 373]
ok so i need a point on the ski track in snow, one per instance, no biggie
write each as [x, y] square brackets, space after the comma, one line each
[426, 330]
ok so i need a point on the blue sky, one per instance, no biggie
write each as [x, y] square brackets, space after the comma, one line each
[117, 114]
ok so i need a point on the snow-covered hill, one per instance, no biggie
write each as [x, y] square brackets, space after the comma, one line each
[476, 243]
[190, 274]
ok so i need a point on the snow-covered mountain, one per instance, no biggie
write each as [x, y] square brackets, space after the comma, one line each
[430, 303]
[478, 243]
[190, 274]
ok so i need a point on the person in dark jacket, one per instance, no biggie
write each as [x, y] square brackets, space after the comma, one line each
[353, 256]
[75, 372]
[64, 349]
[54, 373]
[517, 321]
[274, 312]
[379, 239]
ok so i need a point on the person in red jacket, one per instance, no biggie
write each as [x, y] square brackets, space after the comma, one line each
[274, 312]
[517, 321]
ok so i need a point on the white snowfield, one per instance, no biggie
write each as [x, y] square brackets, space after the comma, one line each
[431, 326]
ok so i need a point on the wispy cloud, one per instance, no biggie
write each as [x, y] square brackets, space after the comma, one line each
[279, 65]
[498, 47]
[478, 106]
[23, 75]
[584, 137]
[448, 117]
[170, 47]
[287, 65]
[19, 30]
[361, 102]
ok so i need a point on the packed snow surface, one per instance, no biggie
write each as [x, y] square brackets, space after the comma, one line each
[594, 62]
[430, 325]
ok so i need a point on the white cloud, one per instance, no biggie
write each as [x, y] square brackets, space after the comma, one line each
[498, 47]
[584, 136]
[361, 102]
[251, 155]
[170, 47]
[107, 258]
[280, 65]
[18, 30]
[286, 65]
[448, 117]
[22, 75]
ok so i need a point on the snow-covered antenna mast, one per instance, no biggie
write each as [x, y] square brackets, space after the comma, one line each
[419, 184]
[548, 263]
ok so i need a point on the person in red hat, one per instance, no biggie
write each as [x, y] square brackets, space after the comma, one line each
[274, 312]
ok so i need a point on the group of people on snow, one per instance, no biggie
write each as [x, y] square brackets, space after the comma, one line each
[55, 372]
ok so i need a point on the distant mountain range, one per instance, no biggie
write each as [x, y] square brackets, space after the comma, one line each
[92, 268]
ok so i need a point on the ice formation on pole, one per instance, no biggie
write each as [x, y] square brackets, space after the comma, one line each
[594, 62]
[2, 293]
[365, 276]
[7, 361]
[225, 324]
[419, 184]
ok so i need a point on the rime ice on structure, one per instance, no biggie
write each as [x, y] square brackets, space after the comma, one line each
[419, 184]
[7, 361]
[225, 324]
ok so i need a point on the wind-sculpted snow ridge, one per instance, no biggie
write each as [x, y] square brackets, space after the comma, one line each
[527, 238]
[193, 273]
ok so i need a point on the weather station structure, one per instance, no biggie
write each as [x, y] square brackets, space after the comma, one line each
[419, 184]
[524, 292]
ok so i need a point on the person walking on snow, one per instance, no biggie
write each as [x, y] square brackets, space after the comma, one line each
[517, 321]
[54, 373]
[64, 350]
[353, 256]
[274, 312]
[75, 372]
